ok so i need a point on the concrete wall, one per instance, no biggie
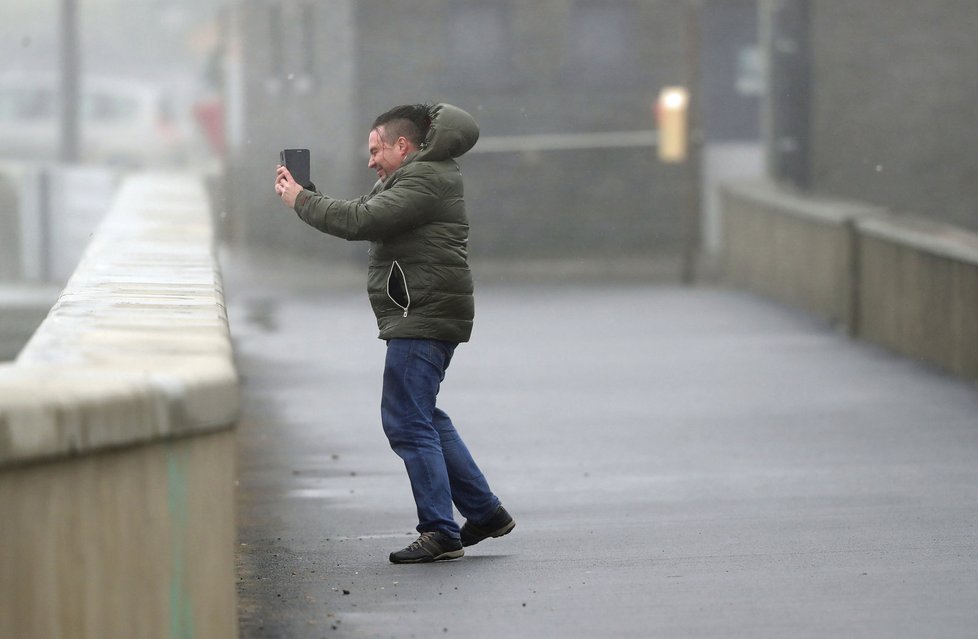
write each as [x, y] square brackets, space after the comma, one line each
[795, 249]
[534, 68]
[918, 283]
[903, 282]
[556, 68]
[893, 105]
[127, 543]
[116, 441]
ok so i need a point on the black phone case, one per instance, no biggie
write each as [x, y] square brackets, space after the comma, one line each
[297, 162]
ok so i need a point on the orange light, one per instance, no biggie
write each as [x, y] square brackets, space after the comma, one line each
[671, 110]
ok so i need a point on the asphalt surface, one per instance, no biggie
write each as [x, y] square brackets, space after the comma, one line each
[680, 463]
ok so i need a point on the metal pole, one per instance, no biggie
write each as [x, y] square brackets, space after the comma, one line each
[695, 142]
[70, 80]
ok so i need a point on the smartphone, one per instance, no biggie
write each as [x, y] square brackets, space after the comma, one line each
[297, 162]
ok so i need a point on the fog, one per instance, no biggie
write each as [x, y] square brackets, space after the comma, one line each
[686, 221]
[142, 69]
[220, 87]
[568, 170]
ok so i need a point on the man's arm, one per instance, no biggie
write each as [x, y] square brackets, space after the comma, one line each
[410, 202]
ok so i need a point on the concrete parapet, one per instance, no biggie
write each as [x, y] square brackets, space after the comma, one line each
[903, 282]
[116, 440]
[134, 542]
[792, 248]
[918, 283]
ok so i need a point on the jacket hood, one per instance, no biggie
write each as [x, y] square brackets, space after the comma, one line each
[453, 132]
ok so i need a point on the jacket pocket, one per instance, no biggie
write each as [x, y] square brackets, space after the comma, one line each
[397, 288]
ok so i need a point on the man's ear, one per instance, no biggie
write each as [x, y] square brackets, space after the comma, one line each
[403, 146]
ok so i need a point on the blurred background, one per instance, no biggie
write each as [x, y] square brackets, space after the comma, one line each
[872, 100]
[564, 91]
[818, 152]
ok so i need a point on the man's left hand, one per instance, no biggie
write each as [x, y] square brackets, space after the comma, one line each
[286, 187]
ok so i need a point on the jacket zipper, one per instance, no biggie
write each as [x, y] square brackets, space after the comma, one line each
[407, 293]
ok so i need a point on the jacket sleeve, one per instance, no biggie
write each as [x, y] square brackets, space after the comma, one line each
[409, 202]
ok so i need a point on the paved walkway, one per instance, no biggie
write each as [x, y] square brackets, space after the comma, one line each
[680, 462]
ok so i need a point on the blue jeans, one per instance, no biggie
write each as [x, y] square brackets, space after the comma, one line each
[438, 464]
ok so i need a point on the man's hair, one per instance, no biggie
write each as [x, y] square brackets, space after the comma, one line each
[410, 121]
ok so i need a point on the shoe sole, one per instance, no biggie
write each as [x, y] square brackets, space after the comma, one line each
[445, 556]
[505, 530]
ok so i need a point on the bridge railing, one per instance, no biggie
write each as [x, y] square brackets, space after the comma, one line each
[116, 435]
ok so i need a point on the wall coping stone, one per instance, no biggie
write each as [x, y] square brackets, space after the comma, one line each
[929, 236]
[137, 347]
[802, 204]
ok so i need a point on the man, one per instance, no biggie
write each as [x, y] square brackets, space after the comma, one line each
[420, 288]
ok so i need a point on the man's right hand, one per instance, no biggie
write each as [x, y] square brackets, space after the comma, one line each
[286, 187]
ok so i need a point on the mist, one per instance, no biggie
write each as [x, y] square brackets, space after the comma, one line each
[564, 93]
[724, 256]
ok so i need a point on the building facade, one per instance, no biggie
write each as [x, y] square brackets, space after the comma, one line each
[564, 92]
[876, 101]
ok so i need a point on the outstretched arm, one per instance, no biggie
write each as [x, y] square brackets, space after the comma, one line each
[409, 203]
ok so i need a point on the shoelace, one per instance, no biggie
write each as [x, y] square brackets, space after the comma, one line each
[419, 542]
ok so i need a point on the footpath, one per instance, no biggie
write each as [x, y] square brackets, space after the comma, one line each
[680, 463]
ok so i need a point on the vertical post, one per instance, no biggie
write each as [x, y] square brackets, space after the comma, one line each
[44, 223]
[694, 159]
[69, 83]
[854, 276]
[787, 43]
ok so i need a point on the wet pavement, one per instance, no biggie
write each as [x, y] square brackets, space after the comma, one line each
[680, 462]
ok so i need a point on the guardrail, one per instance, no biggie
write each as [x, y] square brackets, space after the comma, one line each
[905, 283]
[116, 436]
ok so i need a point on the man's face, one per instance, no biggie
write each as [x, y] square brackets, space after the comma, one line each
[384, 158]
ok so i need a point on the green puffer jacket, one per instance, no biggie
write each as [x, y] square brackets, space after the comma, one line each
[419, 281]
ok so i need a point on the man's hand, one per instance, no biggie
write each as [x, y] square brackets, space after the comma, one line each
[286, 187]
